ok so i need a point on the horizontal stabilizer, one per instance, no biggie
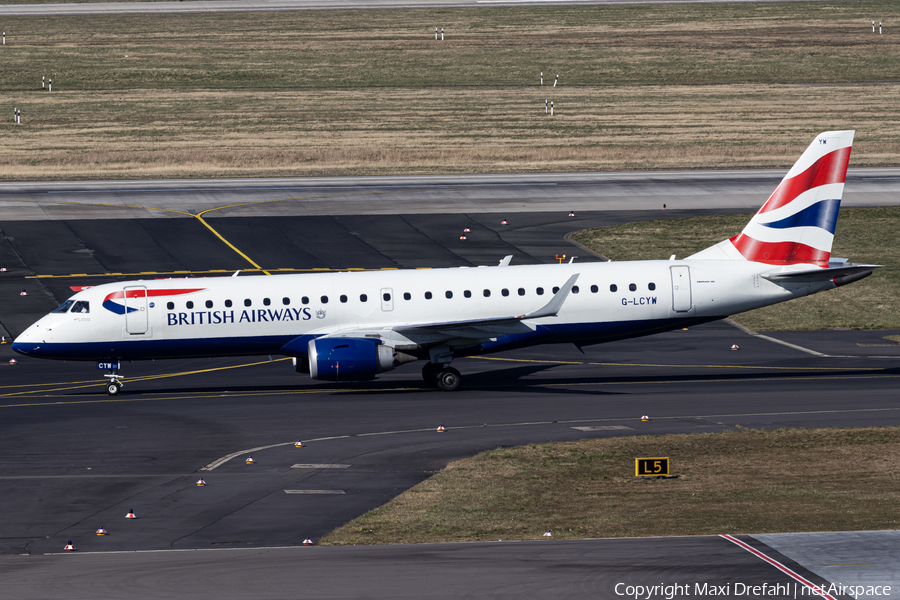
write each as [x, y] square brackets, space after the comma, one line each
[840, 275]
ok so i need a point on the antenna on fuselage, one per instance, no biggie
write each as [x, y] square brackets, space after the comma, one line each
[504, 262]
[236, 273]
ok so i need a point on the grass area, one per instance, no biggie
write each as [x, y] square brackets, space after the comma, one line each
[864, 235]
[371, 92]
[735, 482]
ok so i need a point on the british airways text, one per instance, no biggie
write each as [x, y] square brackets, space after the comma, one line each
[215, 317]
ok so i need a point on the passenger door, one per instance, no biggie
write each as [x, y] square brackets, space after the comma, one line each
[136, 310]
[681, 288]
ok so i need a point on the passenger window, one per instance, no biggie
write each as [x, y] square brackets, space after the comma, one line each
[448, 294]
[65, 306]
[343, 299]
[467, 294]
[521, 291]
[487, 293]
[363, 298]
[266, 302]
[632, 287]
[613, 288]
[286, 301]
[555, 289]
[81, 307]
[386, 297]
[428, 295]
[227, 304]
[304, 300]
[189, 304]
[209, 304]
[407, 296]
[324, 299]
[651, 286]
[594, 289]
[540, 291]
[504, 292]
[170, 305]
[247, 302]
[575, 289]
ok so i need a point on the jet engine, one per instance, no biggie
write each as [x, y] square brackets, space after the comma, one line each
[352, 359]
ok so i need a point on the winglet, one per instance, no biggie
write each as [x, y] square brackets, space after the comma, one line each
[552, 308]
[505, 261]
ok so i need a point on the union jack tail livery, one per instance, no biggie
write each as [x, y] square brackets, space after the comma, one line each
[796, 224]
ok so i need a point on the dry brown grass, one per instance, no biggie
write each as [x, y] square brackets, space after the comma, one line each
[737, 482]
[370, 92]
[173, 133]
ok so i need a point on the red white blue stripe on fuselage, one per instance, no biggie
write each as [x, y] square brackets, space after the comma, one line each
[135, 293]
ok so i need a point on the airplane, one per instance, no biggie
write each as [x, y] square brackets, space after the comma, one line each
[351, 326]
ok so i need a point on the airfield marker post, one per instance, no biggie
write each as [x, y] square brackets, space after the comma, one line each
[442, 34]
[43, 82]
[435, 30]
[873, 26]
[542, 78]
[50, 85]
[546, 106]
[551, 108]
[4, 34]
[879, 27]
[556, 81]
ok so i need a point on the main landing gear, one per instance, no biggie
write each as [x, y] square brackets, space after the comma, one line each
[444, 378]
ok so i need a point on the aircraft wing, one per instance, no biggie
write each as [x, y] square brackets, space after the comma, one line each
[499, 325]
[468, 329]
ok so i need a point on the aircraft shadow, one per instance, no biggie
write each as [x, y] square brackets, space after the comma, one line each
[525, 379]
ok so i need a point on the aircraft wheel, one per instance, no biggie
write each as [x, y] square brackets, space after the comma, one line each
[113, 388]
[449, 379]
[430, 374]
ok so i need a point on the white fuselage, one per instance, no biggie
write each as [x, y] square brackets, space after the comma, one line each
[222, 316]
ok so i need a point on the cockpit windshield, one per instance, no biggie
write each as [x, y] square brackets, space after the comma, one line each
[82, 306]
[65, 306]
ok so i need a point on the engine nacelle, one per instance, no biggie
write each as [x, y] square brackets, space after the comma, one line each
[351, 359]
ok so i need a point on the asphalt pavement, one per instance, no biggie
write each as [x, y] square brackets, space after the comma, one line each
[74, 459]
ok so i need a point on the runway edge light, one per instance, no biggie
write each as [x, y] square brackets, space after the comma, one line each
[307, 542]
[70, 547]
[249, 460]
[130, 514]
[441, 429]
[102, 531]
[298, 444]
[201, 482]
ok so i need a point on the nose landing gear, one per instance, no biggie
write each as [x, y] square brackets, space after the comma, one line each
[115, 380]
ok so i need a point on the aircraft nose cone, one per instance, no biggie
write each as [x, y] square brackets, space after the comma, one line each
[25, 348]
[26, 344]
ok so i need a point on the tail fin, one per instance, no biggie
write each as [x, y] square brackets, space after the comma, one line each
[796, 224]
